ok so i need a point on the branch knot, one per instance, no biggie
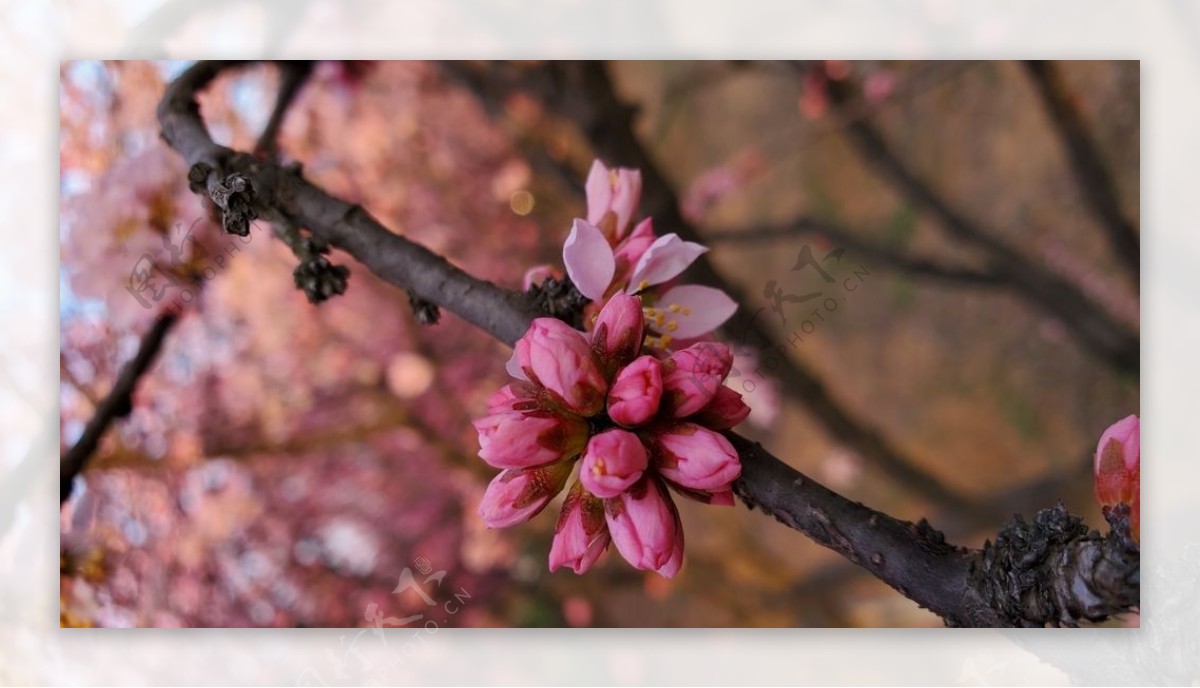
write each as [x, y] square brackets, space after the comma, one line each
[235, 196]
[559, 298]
[1056, 571]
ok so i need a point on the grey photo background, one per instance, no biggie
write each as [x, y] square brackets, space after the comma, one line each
[1163, 650]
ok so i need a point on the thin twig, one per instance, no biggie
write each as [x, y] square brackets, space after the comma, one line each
[1099, 190]
[881, 255]
[294, 74]
[118, 403]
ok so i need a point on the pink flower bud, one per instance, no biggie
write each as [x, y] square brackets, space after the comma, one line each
[1118, 470]
[515, 396]
[691, 377]
[612, 198]
[642, 523]
[617, 332]
[613, 460]
[581, 535]
[516, 496]
[725, 410]
[695, 457]
[560, 359]
[675, 561]
[524, 439]
[635, 394]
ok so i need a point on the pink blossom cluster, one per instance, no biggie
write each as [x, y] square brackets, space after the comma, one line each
[634, 407]
[633, 423]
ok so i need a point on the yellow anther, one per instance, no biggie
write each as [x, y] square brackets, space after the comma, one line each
[644, 284]
[674, 307]
[666, 339]
[672, 326]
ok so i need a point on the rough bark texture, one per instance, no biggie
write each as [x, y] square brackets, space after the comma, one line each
[1056, 572]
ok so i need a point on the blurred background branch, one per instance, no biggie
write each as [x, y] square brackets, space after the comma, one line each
[1096, 329]
[117, 404]
[1087, 164]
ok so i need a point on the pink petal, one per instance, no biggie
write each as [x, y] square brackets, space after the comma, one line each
[665, 259]
[599, 191]
[701, 310]
[695, 457]
[516, 496]
[617, 331]
[589, 260]
[633, 247]
[613, 460]
[581, 535]
[636, 392]
[642, 524]
[538, 274]
[560, 359]
[1127, 433]
[626, 196]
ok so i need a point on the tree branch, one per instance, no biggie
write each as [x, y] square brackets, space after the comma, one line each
[1099, 191]
[294, 75]
[1053, 571]
[281, 194]
[883, 256]
[1093, 327]
[1018, 499]
[958, 584]
[117, 404]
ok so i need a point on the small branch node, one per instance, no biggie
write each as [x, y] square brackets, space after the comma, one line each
[235, 197]
[559, 298]
[426, 312]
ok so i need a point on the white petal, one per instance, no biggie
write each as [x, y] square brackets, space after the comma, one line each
[700, 310]
[589, 260]
[664, 260]
[514, 368]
